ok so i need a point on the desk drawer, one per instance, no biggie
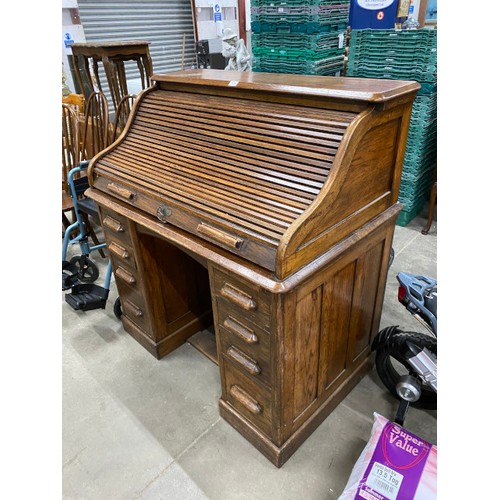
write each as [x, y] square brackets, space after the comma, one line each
[244, 359]
[253, 243]
[126, 276]
[122, 254]
[134, 308]
[115, 226]
[248, 398]
[243, 299]
[239, 336]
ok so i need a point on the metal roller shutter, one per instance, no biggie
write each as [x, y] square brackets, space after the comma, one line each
[160, 22]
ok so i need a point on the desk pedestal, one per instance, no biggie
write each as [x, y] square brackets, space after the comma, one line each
[288, 351]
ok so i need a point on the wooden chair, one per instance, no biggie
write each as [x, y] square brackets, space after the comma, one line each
[122, 114]
[96, 125]
[95, 138]
[70, 157]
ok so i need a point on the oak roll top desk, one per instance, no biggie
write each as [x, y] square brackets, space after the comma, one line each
[263, 204]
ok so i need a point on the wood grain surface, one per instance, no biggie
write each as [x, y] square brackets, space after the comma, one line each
[265, 204]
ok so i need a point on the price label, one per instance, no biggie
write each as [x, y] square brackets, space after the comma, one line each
[384, 480]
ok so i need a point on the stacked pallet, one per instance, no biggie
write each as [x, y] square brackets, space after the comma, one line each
[299, 36]
[405, 55]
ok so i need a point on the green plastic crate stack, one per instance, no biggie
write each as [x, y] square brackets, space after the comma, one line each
[420, 157]
[418, 170]
[299, 36]
[298, 3]
[271, 18]
[392, 54]
[420, 40]
[326, 67]
[405, 55]
[293, 47]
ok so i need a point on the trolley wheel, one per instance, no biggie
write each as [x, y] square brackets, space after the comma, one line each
[86, 270]
[391, 363]
[117, 308]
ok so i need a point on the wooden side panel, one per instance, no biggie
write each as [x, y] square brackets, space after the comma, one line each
[177, 286]
[337, 297]
[328, 326]
[371, 172]
[363, 183]
[307, 338]
[156, 253]
[363, 301]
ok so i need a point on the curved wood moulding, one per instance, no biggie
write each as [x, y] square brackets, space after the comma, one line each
[363, 182]
[119, 139]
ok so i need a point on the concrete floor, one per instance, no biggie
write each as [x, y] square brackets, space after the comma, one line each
[138, 428]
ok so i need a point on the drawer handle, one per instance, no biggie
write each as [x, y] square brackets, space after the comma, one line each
[121, 191]
[134, 310]
[125, 275]
[241, 331]
[118, 250]
[238, 297]
[221, 236]
[250, 365]
[113, 224]
[245, 399]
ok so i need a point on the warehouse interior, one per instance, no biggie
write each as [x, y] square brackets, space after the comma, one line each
[94, 414]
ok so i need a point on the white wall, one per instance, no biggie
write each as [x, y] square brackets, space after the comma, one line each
[205, 24]
[74, 32]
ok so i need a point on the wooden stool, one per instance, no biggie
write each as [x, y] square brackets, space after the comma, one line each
[112, 56]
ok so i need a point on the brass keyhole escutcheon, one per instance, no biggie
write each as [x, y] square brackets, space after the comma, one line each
[163, 212]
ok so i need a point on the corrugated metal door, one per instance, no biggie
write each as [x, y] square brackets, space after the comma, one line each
[160, 22]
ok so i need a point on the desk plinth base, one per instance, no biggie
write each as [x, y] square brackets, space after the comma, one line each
[204, 342]
[170, 343]
[278, 455]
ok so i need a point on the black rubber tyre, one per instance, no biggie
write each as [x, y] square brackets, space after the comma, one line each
[390, 348]
[86, 270]
[117, 308]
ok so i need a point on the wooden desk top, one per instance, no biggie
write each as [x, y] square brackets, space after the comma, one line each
[365, 90]
[103, 45]
[110, 49]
